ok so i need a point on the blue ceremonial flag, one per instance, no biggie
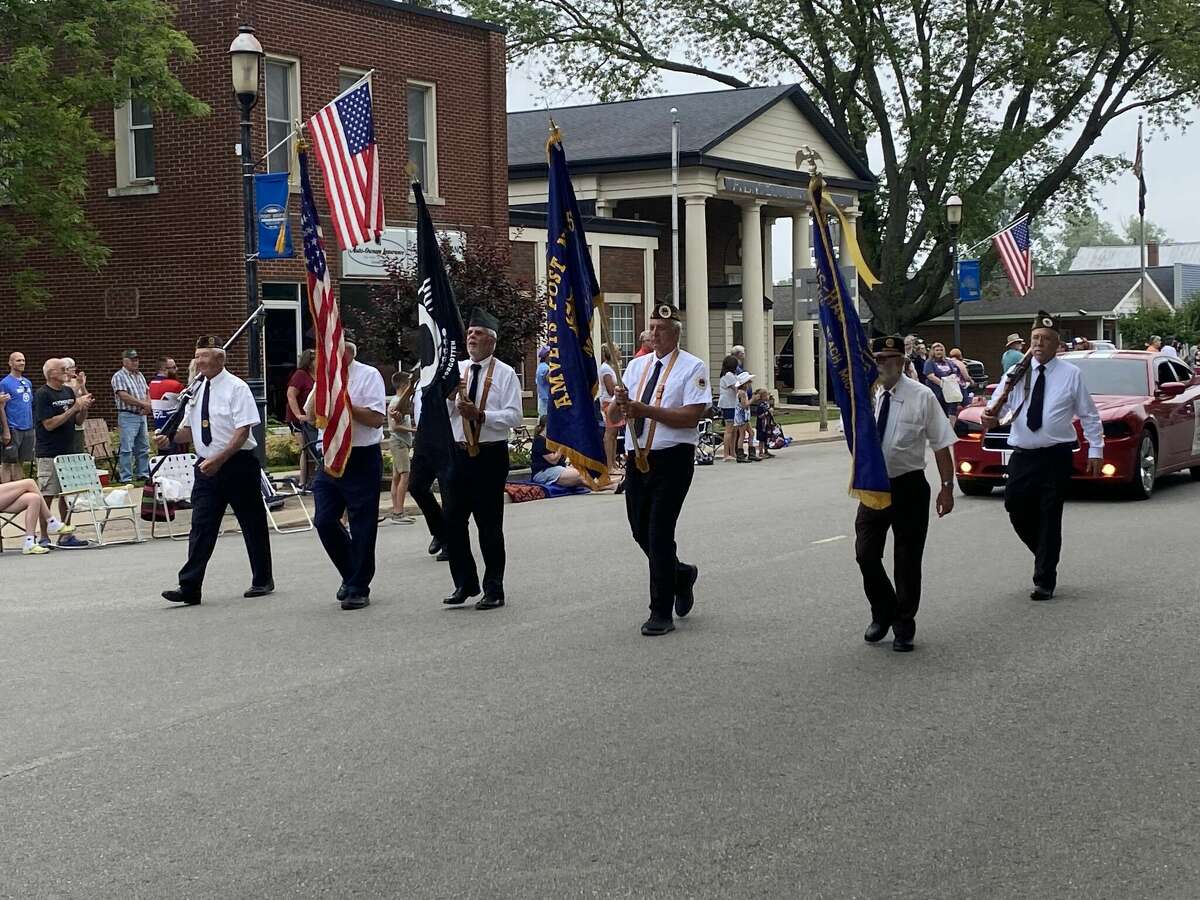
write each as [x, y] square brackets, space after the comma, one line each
[271, 213]
[572, 426]
[851, 365]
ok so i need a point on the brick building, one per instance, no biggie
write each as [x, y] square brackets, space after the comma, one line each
[169, 202]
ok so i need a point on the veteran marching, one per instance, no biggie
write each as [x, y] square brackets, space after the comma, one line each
[1043, 438]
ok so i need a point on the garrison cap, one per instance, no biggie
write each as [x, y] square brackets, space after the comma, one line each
[666, 312]
[888, 343]
[207, 342]
[1045, 320]
[481, 318]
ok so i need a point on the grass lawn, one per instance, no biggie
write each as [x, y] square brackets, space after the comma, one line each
[793, 417]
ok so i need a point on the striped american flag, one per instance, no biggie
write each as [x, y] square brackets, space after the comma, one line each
[332, 401]
[1016, 254]
[344, 140]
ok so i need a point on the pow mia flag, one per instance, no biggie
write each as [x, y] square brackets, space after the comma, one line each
[443, 340]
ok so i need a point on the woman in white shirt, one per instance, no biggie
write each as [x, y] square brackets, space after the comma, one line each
[612, 426]
[727, 402]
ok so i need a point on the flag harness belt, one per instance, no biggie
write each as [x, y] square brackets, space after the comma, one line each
[658, 395]
[469, 427]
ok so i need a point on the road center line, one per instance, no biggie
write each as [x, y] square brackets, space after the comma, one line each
[830, 540]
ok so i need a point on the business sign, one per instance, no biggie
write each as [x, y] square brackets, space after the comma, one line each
[398, 246]
[968, 280]
[773, 191]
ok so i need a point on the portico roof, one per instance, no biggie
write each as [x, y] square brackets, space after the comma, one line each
[637, 133]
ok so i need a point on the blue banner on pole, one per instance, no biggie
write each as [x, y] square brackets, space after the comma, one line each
[271, 212]
[968, 280]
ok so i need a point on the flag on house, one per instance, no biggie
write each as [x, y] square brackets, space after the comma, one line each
[343, 136]
[1016, 255]
[331, 403]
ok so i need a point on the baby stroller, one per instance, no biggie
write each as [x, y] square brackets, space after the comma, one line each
[770, 432]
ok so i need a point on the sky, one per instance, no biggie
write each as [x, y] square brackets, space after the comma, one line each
[1172, 172]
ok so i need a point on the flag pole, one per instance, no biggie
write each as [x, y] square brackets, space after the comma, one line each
[299, 125]
[675, 207]
[1142, 221]
[639, 457]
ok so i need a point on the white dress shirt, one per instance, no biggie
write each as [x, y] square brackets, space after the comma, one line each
[230, 406]
[1168, 350]
[365, 387]
[502, 412]
[914, 418]
[686, 385]
[1066, 396]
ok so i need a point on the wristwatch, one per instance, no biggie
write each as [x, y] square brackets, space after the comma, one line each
[949, 482]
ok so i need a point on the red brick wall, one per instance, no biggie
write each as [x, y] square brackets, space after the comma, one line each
[985, 341]
[180, 251]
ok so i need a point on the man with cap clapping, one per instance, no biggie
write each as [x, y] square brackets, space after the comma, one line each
[482, 417]
[220, 422]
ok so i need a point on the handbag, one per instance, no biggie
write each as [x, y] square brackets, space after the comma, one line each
[951, 392]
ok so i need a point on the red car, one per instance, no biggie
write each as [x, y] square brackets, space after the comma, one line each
[1147, 402]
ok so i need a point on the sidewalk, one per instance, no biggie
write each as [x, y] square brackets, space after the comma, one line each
[810, 432]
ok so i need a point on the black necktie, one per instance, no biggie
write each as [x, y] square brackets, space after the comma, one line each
[885, 409]
[1033, 418]
[474, 388]
[205, 428]
[639, 425]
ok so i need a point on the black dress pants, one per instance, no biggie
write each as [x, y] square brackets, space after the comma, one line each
[236, 484]
[653, 501]
[1034, 495]
[422, 472]
[908, 520]
[356, 493]
[476, 488]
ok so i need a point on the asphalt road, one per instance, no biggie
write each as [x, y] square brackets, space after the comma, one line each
[281, 747]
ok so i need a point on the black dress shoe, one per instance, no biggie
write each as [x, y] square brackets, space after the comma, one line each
[355, 601]
[1040, 593]
[435, 547]
[260, 590]
[620, 489]
[685, 596]
[902, 645]
[443, 556]
[875, 633]
[341, 594]
[490, 601]
[460, 595]
[656, 627]
[181, 597]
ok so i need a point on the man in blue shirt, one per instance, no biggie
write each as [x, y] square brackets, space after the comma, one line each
[543, 382]
[17, 437]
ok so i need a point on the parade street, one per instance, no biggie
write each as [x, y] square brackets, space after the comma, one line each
[282, 747]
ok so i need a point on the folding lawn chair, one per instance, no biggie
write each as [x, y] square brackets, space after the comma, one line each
[180, 468]
[80, 485]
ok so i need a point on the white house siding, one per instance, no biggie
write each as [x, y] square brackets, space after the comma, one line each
[773, 138]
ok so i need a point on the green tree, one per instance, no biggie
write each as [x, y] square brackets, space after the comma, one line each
[64, 60]
[963, 98]
[1080, 228]
[1131, 229]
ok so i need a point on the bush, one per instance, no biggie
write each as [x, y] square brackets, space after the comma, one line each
[282, 451]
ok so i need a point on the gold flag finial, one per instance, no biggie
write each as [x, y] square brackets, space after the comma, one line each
[554, 137]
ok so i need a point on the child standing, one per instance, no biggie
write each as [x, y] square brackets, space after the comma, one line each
[760, 407]
[741, 417]
[402, 430]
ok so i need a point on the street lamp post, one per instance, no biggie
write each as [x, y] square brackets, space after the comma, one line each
[245, 55]
[954, 220]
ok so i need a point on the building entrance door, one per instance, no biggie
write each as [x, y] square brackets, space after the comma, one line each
[281, 342]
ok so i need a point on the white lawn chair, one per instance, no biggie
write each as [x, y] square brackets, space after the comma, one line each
[283, 488]
[180, 468]
[80, 485]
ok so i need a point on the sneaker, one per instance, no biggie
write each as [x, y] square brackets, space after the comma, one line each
[34, 550]
[70, 542]
[44, 542]
[61, 529]
[401, 519]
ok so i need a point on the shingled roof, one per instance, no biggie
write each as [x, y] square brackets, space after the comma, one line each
[1097, 292]
[639, 131]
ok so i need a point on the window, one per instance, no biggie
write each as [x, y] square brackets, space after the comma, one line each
[622, 329]
[282, 109]
[422, 134]
[141, 140]
[133, 132]
[348, 78]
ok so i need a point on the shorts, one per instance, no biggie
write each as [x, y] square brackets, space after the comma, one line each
[728, 413]
[21, 448]
[47, 478]
[741, 416]
[401, 456]
[550, 475]
[610, 421]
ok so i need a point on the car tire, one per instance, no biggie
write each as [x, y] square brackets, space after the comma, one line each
[973, 488]
[1194, 471]
[1145, 471]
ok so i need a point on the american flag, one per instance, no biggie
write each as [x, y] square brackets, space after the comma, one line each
[332, 402]
[1015, 253]
[1140, 172]
[344, 141]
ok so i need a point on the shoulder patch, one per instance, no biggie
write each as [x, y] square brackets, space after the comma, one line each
[701, 382]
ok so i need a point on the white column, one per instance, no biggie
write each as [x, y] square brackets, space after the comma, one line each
[767, 380]
[844, 251]
[647, 284]
[804, 379]
[695, 258]
[753, 321]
